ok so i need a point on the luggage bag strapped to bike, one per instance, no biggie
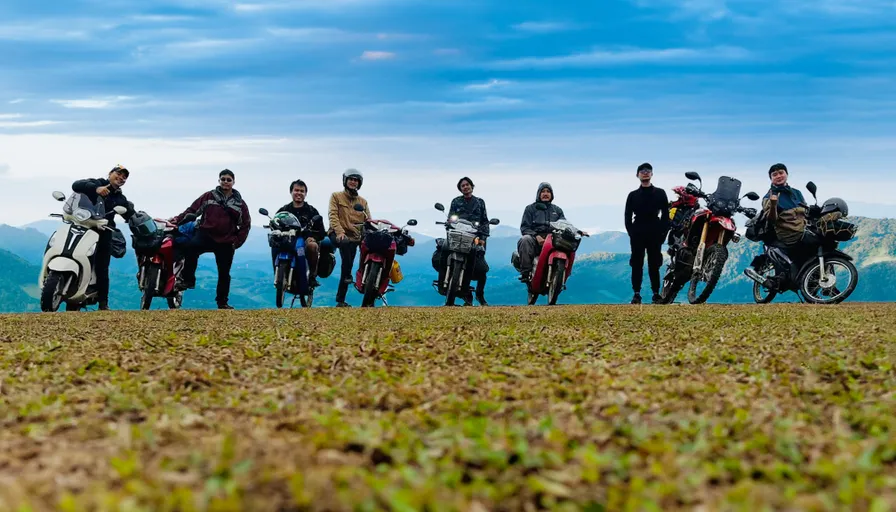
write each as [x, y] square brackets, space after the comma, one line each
[832, 226]
[146, 236]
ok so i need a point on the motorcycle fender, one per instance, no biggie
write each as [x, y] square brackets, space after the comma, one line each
[725, 222]
[64, 265]
[839, 254]
[457, 258]
[557, 255]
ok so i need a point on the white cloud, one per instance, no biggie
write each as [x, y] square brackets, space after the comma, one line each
[599, 58]
[10, 116]
[40, 32]
[447, 51]
[16, 101]
[491, 84]
[295, 5]
[377, 55]
[26, 124]
[162, 18]
[93, 103]
[544, 27]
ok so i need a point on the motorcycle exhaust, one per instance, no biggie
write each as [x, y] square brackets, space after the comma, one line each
[752, 274]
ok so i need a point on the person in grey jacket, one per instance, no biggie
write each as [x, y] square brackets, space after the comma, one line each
[535, 227]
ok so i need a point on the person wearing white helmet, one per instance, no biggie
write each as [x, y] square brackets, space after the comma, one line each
[344, 229]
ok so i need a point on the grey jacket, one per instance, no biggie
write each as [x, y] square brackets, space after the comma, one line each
[538, 222]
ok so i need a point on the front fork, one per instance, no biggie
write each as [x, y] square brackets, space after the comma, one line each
[698, 258]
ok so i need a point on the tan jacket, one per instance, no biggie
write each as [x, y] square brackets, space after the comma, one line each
[789, 224]
[343, 217]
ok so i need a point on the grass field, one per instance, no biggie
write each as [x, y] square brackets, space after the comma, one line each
[567, 408]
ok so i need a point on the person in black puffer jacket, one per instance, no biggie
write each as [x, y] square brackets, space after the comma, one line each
[535, 226]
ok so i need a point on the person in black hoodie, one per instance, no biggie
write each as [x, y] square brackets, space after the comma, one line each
[109, 190]
[305, 212]
[647, 222]
[535, 226]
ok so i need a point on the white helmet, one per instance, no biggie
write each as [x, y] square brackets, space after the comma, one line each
[352, 173]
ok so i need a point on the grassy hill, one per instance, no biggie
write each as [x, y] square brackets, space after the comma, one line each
[778, 407]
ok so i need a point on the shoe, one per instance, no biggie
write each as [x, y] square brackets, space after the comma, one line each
[225, 306]
[104, 305]
[636, 299]
[525, 276]
[481, 299]
[312, 282]
[657, 299]
[343, 305]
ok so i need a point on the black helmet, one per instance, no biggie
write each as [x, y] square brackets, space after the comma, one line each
[465, 179]
[835, 204]
[352, 173]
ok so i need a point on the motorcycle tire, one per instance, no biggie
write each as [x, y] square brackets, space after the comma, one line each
[770, 293]
[151, 273]
[280, 282]
[454, 284]
[51, 292]
[176, 301]
[371, 285]
[672, 284]
[840, 297]
[307, 300]
[716, 255]
[556, 284]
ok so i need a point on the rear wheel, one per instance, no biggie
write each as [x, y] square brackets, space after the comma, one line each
[761, 294]
[713, 264]
[150, 283]
[556, 284]
[372, 285]
[176, 301]
[51, 293]
[280, 281]
[307, 300]
[841, 278]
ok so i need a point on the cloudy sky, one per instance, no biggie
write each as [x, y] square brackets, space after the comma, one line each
[419, 93]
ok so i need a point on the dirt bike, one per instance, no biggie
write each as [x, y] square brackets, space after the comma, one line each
[814, 269]
[381, 241]
[291, 269]
[67, 273]
[700, 250]
[159, 269]
[465, 245]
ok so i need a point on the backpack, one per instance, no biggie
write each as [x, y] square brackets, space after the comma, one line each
[758, 229]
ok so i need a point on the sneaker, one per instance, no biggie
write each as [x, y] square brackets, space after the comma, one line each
[525, 276]
[343, 305]
[481, 299]
[225, 306]
[657, 299]
[104, 305]
[636, 299]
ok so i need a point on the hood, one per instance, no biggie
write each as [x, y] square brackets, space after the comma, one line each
[544, 185]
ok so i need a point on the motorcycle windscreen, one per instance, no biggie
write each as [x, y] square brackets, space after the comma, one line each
[81, 201]
[727, 190]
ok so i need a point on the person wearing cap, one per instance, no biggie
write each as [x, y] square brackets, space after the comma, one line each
[345, 232]
[222, 228]
[535, 227]
[109, 190]
[646, 222]
[469, 207]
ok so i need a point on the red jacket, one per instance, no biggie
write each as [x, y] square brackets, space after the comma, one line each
[224, 219]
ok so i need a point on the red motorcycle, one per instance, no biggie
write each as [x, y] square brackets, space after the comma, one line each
[678, 273]
[158, 269]
[702, 252]
[380, 242]
[554, 264]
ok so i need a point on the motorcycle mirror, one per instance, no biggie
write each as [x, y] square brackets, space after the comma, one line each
[121, 210]
[752, 196]
[494, 222]
[358, 207]
[540, 206]
[440, 207]
[59, 196]
[263, 211]
[811, 188]
[412, 222]
[691, 175]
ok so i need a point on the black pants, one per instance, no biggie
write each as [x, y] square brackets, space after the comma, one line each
[101, 260]
[199, 245]
[652, 244]
[347, 251]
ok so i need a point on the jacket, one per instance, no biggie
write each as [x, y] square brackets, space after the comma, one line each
[115, 198]
[538, 222]
[343, 217]
[790, 221]
[225, 220]
[473, 211]
[650, 208]
[304, 214]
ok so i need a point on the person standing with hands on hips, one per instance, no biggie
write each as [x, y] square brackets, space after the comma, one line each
[647, 222]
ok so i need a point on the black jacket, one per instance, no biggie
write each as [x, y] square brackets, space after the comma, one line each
[304, 214]
[473, 211]
[650, 207]
[538, 222]
[115, 198]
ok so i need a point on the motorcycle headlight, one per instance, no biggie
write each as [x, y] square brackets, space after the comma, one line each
[82, 215]
[91, 250]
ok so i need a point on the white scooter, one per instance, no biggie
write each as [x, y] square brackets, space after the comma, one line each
[68, 273]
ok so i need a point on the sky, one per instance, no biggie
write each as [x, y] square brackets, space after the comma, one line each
[417, 94]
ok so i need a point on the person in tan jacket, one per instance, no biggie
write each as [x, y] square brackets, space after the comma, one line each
[345, 227]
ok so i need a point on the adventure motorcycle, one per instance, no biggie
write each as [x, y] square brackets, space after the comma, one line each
[699, 251]
[465, 246]
[815, 269]
[67, 273]
[381, 241]
[159, 270]
[291, 270]
[553, 265]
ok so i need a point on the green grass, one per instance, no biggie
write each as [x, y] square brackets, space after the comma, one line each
[567, 408]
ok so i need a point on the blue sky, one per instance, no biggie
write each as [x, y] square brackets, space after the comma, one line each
[421, 93]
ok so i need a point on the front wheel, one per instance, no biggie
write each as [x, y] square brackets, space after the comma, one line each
[841, 278]
[150, 284]
[280, 281]
[372, 284]
[556, 284]
[761, 294]
[52, 292]
[711, 271]
[455, 277]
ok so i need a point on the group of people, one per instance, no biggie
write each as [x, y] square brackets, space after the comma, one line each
[225, 223]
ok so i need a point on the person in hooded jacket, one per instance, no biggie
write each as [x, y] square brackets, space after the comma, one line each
[222, 229]
[109, 190]
[535, 227]
[345, 233]
[472, 208]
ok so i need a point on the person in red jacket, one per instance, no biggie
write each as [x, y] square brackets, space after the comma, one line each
[222, 228]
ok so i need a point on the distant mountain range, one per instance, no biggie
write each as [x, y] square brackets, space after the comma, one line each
[601, 274]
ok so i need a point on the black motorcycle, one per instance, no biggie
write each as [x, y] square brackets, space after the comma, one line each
[816, 270]
[457, 255]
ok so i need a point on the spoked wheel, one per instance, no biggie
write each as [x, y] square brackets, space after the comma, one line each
[841, 278]
[455, 276]
[176, 301]
[672, 284]
[307, 300]
[761, 294]
[713, 264]
[150, 283]
[280, 281]
[372, 284]
[52, 291]
[556, 284]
